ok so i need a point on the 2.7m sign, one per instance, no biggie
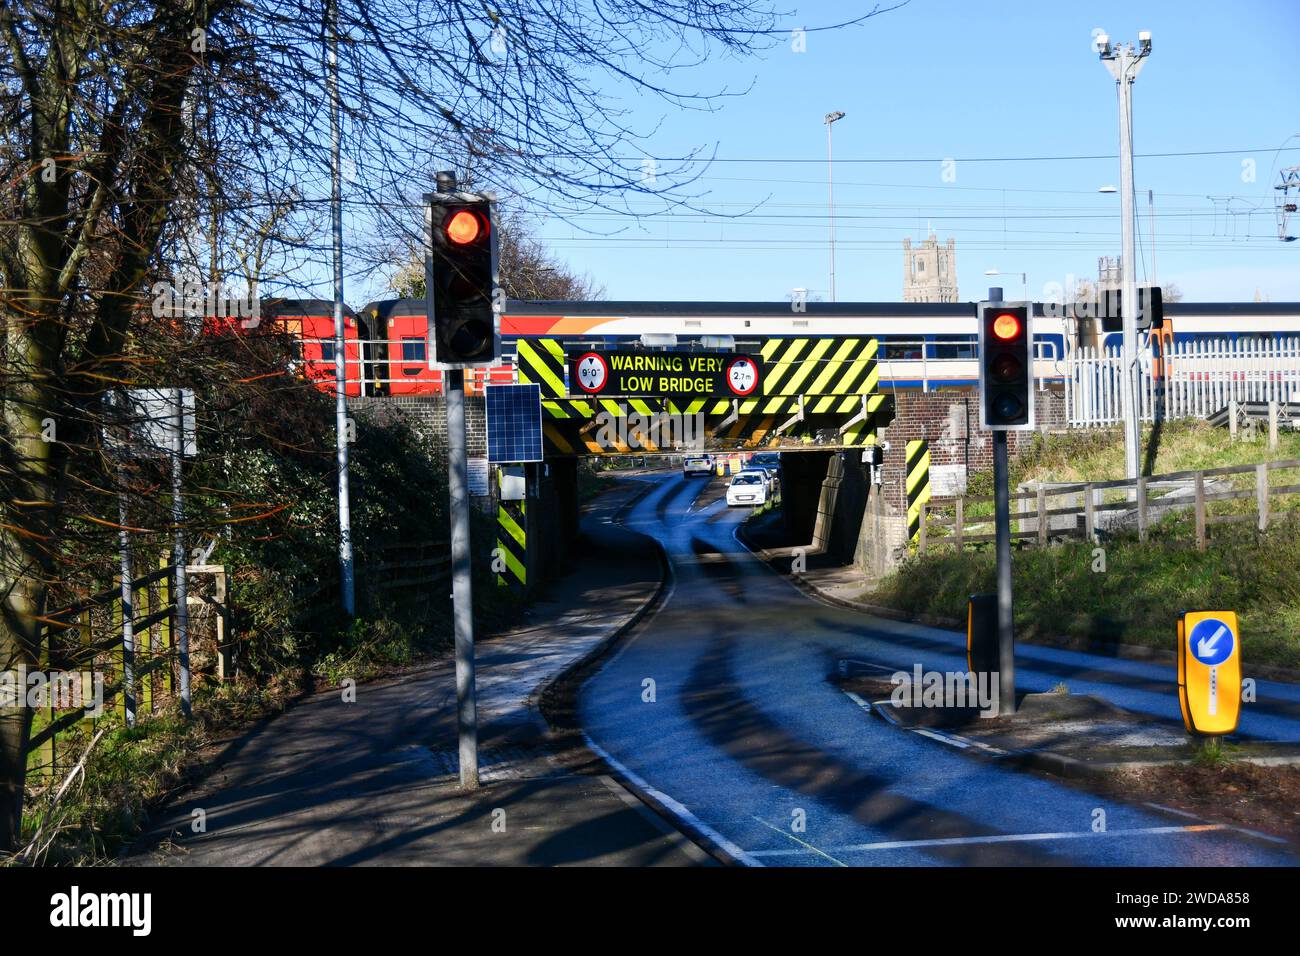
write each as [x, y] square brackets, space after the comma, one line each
[664, 374]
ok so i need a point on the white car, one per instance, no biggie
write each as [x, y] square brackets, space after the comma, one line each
[769, 476]
[747, 488]
[697, 465]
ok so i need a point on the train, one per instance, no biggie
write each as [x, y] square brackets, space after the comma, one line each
[923, 345]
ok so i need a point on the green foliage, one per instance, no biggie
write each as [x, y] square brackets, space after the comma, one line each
[366, 648]
[1137, 598]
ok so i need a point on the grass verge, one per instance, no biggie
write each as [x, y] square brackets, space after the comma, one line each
[1127, 592]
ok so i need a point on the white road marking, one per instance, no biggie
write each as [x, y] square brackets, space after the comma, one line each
[686, 845]
[1002, 838]
[859, 700]
[952, 740]
[808, 847]
[677, 809]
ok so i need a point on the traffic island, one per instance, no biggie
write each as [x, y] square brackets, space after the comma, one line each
[1110, 750]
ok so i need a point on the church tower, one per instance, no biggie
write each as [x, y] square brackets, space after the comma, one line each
[929, 271]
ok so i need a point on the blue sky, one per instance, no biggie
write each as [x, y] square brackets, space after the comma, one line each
[941, 79]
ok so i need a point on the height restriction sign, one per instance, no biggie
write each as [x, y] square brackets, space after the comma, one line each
[1209, 671]
[634, 374]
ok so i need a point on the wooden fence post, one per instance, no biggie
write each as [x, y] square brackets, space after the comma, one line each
[87, 657]
[118, 652]
[959, 523]
[1042, 515]
[1089, 518]
[1272, 425]
[48, 753]
[920, 544]
[146, 652]
[1261, 495]
[1142, 509]
[1200, 511]
[225, 656]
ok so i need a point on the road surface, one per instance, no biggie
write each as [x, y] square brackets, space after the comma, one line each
[758, 750]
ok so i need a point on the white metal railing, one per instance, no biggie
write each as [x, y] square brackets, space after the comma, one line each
[422, 378]
[1195, 379]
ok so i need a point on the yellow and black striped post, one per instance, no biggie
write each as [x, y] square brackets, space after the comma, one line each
[541, 362]
[917, 484]
[511, 560]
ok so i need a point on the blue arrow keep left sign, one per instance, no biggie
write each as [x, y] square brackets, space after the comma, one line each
[1211, 642]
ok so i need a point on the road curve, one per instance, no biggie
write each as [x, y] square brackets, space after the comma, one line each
[747, 734]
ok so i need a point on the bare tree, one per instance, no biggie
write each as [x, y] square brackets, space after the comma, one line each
[126, 128]
[527, 268]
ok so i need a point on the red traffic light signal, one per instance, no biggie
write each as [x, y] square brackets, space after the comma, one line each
[1006, 326]
[465, 226]
[1006, 366]
[463, 293]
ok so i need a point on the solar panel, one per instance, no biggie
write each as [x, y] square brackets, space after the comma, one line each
[514, 423]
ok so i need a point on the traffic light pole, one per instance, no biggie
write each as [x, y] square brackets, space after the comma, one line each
[461, 588]
[1002, 528]
[462, 595]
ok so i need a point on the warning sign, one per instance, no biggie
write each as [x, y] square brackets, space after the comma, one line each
[664, 374]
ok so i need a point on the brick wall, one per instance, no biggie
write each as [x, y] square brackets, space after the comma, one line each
[428, 415]
[959, 448]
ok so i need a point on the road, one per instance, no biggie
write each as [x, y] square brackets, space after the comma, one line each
[757, 749]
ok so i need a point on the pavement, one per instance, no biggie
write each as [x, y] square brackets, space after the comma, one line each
[374, 782]
[751, 744]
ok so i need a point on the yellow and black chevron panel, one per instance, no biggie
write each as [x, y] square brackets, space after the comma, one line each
[555, 441]
[880, 413]
[585, 409]
[511, 559]
[917, 483]
[819, 365]
[541, 362]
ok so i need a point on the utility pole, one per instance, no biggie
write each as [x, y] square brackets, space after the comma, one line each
[1124, 64]
[1151, 218]
[830, 185]
[346, 584]
[462, 595]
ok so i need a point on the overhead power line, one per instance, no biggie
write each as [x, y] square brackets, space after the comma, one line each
[709, 160]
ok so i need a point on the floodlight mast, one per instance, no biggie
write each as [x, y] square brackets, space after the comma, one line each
[1124, 64]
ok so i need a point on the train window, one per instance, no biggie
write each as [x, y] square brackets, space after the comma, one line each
[953, 347]
[899, 349]
[413, 350]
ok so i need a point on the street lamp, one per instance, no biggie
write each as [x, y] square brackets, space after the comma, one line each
[1124, 64]
[830, 185]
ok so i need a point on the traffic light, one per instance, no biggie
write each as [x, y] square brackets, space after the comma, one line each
[1151, 309]
[1006, 366]
[466, 327]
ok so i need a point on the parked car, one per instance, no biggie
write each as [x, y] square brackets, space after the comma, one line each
[771, 460]
[697, 465]
[747, 488]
